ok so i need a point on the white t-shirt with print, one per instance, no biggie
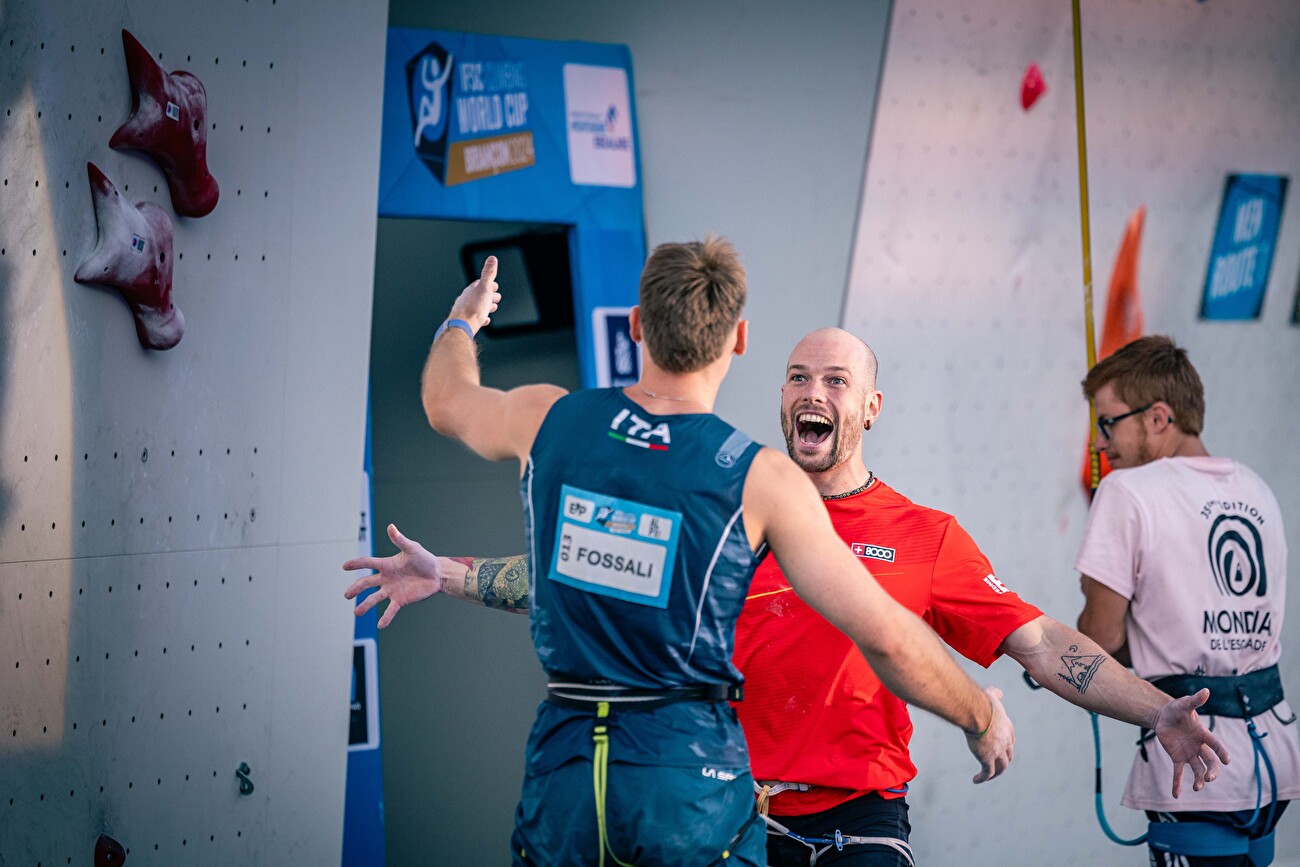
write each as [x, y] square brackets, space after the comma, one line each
[1197, 547]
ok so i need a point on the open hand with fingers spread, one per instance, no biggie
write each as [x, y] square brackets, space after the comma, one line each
[1178, 728]
[479, 300]
[409, 576]
[995, 746]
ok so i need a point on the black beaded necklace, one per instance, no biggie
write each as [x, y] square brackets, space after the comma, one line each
[871, 477]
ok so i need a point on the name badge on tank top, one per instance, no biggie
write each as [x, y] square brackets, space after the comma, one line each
[615, 547]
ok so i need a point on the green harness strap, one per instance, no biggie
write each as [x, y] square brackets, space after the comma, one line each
[600, 780]
[600, 784]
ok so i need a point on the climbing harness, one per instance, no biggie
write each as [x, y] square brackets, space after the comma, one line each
[839, 841]
[767, 790]
[602, 696]
[584, 696]
[1239, 697]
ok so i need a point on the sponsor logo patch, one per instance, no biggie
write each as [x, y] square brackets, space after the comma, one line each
[874, 552]
[615, 520]
[579, 509]
[997, 586]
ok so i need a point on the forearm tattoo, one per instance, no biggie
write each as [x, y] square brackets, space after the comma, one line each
[1080, 668]
[499, 582]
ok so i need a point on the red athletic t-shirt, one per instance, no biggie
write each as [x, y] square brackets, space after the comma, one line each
[814, 712]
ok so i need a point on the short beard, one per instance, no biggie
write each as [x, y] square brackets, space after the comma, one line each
[839, 447]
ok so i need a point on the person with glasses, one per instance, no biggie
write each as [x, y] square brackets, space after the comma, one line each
[828, 741]
[1183, 570]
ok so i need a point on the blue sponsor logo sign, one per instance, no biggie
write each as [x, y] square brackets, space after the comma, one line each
[618, 358]
[1244, 242]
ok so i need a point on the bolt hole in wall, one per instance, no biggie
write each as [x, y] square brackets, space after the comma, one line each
[454, 502]
[144, 458]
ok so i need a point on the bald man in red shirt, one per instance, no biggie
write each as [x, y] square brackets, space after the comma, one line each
[828, 743]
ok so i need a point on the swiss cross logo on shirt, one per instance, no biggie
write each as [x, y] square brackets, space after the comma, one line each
[875, 552]
[997, 586]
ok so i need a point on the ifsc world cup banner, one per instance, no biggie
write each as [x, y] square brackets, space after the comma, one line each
[481, 127]
[491, 127]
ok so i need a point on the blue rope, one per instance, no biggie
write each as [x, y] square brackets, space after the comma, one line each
[1257, 745]
[1101, 810]
[1257, 748]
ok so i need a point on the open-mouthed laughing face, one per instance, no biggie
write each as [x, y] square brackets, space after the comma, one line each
[823, 400]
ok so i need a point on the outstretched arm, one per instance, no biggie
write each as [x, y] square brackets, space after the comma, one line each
[413, 575]
[783, 507]
[496, 424]
[1080, 671]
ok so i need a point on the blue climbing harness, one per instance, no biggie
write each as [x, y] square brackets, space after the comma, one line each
[1239, 697]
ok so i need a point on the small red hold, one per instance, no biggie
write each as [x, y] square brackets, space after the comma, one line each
[169, 122]
[109, 852]
[133, 254]
[1032, 87]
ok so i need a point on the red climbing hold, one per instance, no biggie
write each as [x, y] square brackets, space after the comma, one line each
[109, 852]
[169, 122]
[133, 254]
[1032, 87]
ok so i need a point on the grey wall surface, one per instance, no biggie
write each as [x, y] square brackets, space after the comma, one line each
[171, 523]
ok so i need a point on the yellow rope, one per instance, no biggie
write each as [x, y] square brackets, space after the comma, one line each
[1090, 333]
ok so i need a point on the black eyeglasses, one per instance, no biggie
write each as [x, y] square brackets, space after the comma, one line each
[1106, 423]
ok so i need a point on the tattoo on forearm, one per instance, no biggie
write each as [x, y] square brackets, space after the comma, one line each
[1080, 668]
[499, 582]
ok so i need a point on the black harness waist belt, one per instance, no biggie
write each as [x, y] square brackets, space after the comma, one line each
[1241, 696]
[576, 694]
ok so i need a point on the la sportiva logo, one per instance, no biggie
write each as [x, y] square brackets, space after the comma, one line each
[630, 428]
[428, 83]
[1236, 553]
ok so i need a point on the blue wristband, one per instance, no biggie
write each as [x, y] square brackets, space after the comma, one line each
[454, 323]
